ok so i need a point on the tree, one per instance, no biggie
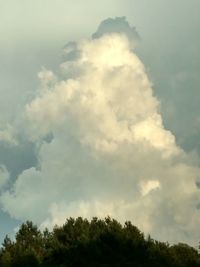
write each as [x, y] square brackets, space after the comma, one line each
[96, 243]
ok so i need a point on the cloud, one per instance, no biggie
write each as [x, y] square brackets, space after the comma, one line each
[110, 153]
[117, 25]
[4, 176]
[8, 135]
[148, 186]
[17, 157]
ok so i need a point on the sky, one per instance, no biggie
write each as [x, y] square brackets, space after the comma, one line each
[100, 115]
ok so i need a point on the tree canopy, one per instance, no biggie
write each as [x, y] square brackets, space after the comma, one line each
[98, 242]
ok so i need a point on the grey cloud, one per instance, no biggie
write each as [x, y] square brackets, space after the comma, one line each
[117, 25]
[17, 158]
[198, 184]
[172, 58]
[70, 52]
[4, 177]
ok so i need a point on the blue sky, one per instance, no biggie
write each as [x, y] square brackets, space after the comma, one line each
[37, 135]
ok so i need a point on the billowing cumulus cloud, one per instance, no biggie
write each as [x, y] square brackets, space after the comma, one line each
[109, 153]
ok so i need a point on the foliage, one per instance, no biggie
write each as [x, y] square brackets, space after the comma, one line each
[96, 243]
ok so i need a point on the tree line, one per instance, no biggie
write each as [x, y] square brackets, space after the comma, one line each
[95, 243]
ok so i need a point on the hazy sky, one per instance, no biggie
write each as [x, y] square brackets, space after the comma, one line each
[105, 126]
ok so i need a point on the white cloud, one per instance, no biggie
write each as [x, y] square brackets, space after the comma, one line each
[110, 153]
[148, 186]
